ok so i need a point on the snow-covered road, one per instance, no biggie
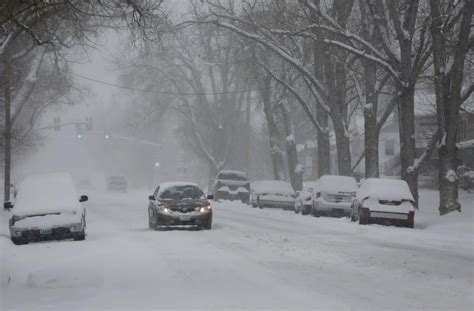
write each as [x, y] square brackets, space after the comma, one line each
[252, 259]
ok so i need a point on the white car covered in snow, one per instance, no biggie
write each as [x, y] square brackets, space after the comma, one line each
[304, 198]
[384, 201]
[272, 193]
[332, 195]
[231, 185]
[47, 208]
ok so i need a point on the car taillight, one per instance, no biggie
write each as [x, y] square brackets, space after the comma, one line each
[411, 216]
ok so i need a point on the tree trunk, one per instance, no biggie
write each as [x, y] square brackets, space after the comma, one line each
[407, 140]
[448, 180]
[8, 129]
[324, 149]
[343, 150]
[371, 133]
[295, 169]
[273, 132]
[448, 87]
[323, 145]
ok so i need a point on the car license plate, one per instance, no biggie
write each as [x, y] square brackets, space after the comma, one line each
[45, 231]
[185, 218]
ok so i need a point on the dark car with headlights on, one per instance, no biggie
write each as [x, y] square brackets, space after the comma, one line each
[179, 204]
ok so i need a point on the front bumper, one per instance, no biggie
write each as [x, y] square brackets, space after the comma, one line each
[63, 232]
[225, 195]
[181, 219]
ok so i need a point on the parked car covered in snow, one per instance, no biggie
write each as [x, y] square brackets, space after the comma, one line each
[117, 183]
[231, 185]
[272, 193]
[179, 204]
[384, 201]
[332, 195]
[304, 198]
[47, 208]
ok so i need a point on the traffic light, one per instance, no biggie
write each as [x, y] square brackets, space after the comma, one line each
[79, 131]
[157, 164]
[107, 136]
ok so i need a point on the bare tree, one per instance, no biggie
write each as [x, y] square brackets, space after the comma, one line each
[451, 25]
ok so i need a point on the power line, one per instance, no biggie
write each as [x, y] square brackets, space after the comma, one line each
[158, 92]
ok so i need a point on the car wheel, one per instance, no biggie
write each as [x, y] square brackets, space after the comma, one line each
[151, 225]
[81, 236]
[208, 226]
[19, 241]
[352, 216]
[297, 208]
[315, 213]
[410, 224]
[363, 220]
[258, 203]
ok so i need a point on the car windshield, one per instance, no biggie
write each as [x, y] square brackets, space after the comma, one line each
[181, 193]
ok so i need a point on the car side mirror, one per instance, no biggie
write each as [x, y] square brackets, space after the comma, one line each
[83, 198]
[151, 198]
[8, 205]
[210, 197]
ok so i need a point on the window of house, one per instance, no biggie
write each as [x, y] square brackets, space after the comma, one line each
[390, 147]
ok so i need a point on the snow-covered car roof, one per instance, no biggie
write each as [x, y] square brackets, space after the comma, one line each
[272, 186]
[336, 184]
[46, 194]
[383, 188]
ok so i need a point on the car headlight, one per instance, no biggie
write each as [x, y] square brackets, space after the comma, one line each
[205, 209]
[165, 210]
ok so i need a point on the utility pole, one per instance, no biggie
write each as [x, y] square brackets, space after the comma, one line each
[8, 127]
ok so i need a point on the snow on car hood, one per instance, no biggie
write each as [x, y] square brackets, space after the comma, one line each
[46, 194]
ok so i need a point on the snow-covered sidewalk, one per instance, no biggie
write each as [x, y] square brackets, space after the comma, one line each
[252, 259]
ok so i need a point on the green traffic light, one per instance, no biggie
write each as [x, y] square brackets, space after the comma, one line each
[157, 164]
[107, 136]
[79, 136]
